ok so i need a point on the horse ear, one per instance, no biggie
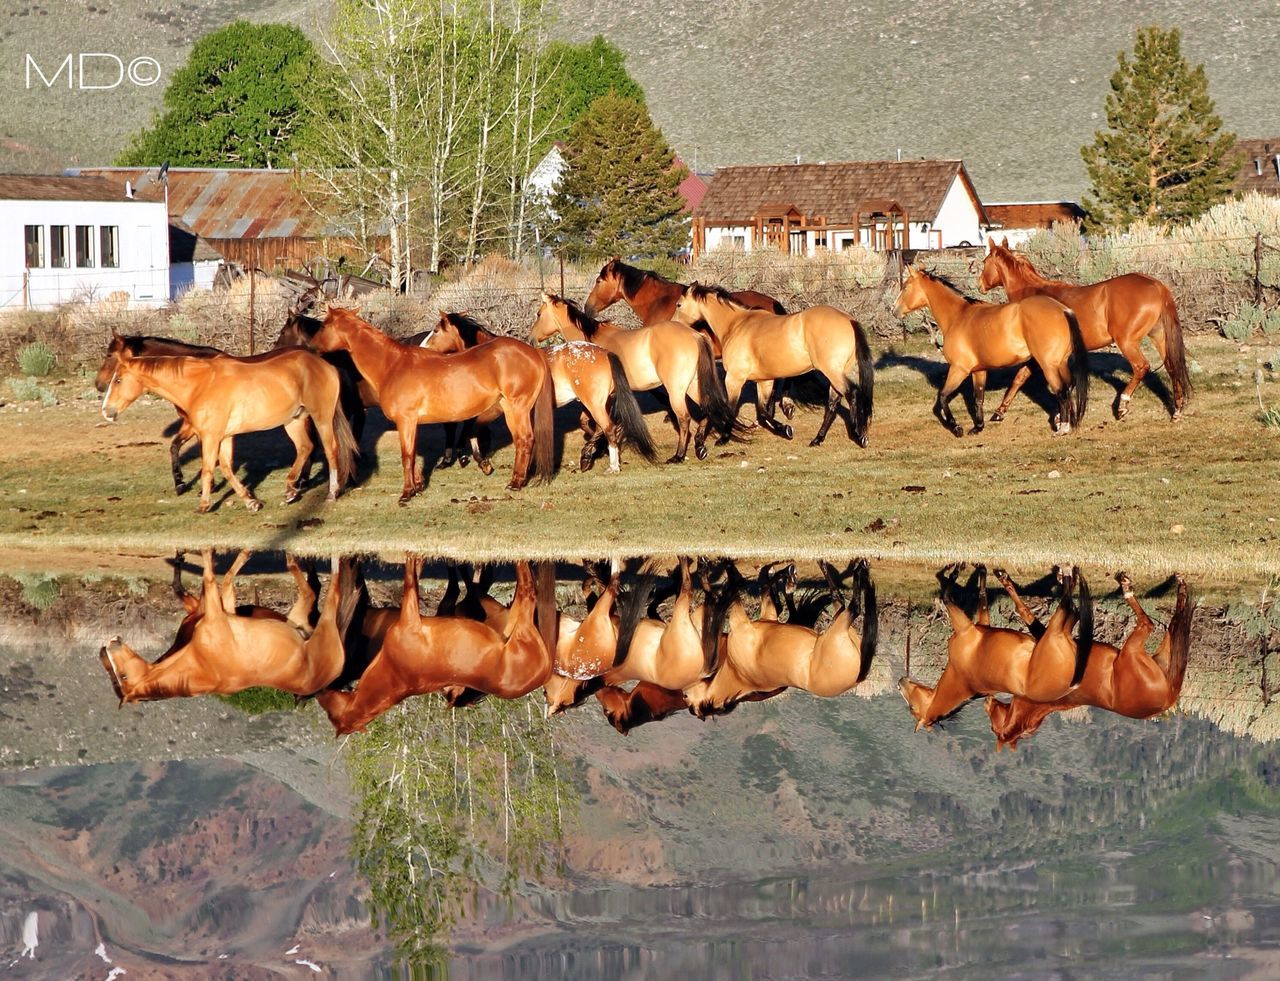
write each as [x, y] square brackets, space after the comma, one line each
[991, 245]
[546, 297]
[1005, 244]
[115, 335]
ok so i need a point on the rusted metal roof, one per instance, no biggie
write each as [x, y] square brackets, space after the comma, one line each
[1032, 214]
[32, 187]
[1258, 166]
[220, 203]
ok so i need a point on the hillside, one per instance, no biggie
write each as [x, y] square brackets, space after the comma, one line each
[1014, 93]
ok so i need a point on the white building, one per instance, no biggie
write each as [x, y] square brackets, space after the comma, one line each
[877, 204]
[65, 238]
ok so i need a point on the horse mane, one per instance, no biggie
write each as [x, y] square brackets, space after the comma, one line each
[704, 291]
[633, 277]
[1023, 264]
[587, 324]
[469, 327]
[173, 365]
[949, 284]
[137, 344]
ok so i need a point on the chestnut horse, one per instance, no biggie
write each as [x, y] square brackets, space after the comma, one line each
[986, 660]
[1125, 680]
[427, 654]
[760, 346]
[977, 337]
[1121, 311]
[157, 347]
[653, 297]
[225, 649]
[766, 656]
[644, 703]
[582, 372]
[413, 386]
[222, 397]
[669, 355]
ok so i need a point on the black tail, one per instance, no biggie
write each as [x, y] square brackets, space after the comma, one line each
[1175, 354]
[625, 414]
[715, 400]
[632, 606]
[715, 612]
[1078, 365]
[1180, 638]
[1084, 637]
[870, 622]
[860, 392]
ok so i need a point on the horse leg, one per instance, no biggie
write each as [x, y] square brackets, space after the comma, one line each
[942, 405]
[483, 463]
[1020, 605]
[979, 379]
[733, 389]
[227, 464]
[828, 415]
[984, 604]
[180, 439]
[451, 443]
[304, 606]
[764, 415]
[1015, 386]
[521, 426]
[296, 430]
[1132, 351]
[227, 594]
[408, 430]
[591, 435]
[208, 460]
[680, 408]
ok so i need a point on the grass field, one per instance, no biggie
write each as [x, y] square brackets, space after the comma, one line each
[1198, 496]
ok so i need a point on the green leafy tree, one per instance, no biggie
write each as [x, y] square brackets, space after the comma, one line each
[235, 103]
[619, 192]
[580, 74]
[1163, 157]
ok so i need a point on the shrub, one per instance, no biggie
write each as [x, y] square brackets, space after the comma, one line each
[39, 590]
[29, 390]
[257, 701]
[1270, 418]
[37, 360]
[1251, 319]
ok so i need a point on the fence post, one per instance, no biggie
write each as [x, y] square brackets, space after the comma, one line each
[562, 274]
[1257, 269]
[252, 270]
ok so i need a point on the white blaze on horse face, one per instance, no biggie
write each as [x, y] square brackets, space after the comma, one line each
[107, 397]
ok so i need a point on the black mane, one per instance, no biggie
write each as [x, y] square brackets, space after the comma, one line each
[587, 324]
[468, 327]
[633, 277]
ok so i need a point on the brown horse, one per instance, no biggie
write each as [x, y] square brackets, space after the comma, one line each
[222, 397]
[653, 297]
[760, 346]
[225, 649]
[977, 337]
[414, 385]
[763, 657]
[157, 347]
[668, 355]
[582, 372]
[1125, 680]
[986, 660]
[1121, 311]
[427, 654]
[644, 703]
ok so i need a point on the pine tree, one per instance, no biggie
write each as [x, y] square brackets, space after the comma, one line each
[1163, 158]
[619, 193]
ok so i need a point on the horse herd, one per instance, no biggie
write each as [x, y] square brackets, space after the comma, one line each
[324, 372]
[684, 642]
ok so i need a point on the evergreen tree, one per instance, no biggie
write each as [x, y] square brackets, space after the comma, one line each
[1163, 157]
[235, 103]
[580, 74]
[619, 193]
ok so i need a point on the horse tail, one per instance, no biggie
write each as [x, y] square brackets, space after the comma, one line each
[1078, 366]
[348, 447]
[779, 309]
[870, 624]
[860, 390]
[632, 606]
[1084, 638]
[544, 586]
[544, 431]
[714, 615]
[625, 414]
[1179, 640]
[715, 398]
[1175, 354]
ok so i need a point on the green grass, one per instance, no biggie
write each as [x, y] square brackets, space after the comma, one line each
[1198, 496]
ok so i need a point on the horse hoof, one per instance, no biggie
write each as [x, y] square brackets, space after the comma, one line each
[515, 485]
[700, 452]
[861, 442]
[253, 505]
[815, 441]
[203, 508]
[786, 432]
[677, 458]
[1062, 429]
[586, 462]
[975, 430]
[998, 417]
[445, 462]
[406, 497]
[292, 496]
[957, 431]
[788, 407]
[1177, 416]
[485, 466]
[464, 461]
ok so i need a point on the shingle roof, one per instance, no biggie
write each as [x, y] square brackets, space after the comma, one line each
[224, 203]
[1260, 154]
[832, 190]
[32, 187]
[1032, 214]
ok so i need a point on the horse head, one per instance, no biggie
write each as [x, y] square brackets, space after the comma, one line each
[607, 288]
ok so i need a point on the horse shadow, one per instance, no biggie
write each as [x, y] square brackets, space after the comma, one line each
[1114, 368]
[998, 380]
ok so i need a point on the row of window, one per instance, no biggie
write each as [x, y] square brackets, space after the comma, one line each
[106, 245]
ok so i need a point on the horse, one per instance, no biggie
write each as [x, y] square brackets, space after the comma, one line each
[221, 397]
[978, 336]
[582, 372]
[764, 657]
[644, 703]
[653, 297]
[427, 654]
[760, 346]
[670, 355]
[985, 660]
[139, 345]
[1121, 311]
[413, 385]
[1125, 680]
[223, 648]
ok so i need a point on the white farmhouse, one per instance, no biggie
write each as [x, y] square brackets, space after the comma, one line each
[65, 238]
[877, 204]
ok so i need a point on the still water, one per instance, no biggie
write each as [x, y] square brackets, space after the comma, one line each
[852, 823]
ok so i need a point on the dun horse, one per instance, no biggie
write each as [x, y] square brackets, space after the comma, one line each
[414, 386]
[582, 372]
[1125, 680]
[222, 397]
[225, 649]
[1121, 311]
[760, 346]
[987, 660]
[978, 337]
[668, 355]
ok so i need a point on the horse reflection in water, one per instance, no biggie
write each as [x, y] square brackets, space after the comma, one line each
[987, 660]
[224, 648]
[1125, 680]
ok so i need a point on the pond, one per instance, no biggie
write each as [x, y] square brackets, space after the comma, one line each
[853, 823]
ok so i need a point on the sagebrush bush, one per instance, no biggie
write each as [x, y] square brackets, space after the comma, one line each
[1251, 319]
[30, 390]
[40, 590]
[37, 360]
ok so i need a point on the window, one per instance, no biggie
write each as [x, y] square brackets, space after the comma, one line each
[738, 242]
[109, 246]
[59, 246]
[34, 237]
[84, 246]
[819, 240]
